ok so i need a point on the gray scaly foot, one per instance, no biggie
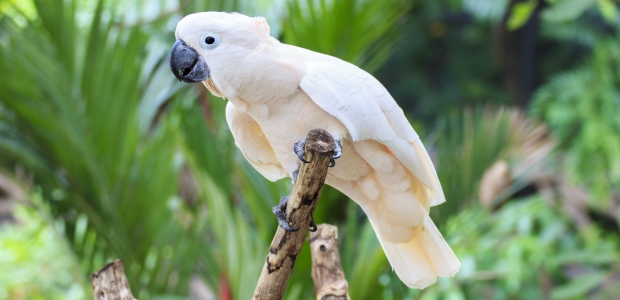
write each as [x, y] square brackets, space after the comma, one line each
[280, 212]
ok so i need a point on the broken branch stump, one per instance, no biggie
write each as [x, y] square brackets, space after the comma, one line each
[110, 283]
[327, 274]
[301, 204]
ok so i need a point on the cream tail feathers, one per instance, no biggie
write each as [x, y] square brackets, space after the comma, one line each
[397, 205]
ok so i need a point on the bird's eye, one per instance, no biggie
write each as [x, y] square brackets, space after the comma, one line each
[210, 40]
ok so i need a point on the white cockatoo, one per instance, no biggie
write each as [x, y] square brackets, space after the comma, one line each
[277, 93]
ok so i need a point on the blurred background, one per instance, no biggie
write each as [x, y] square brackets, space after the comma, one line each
[105, 155]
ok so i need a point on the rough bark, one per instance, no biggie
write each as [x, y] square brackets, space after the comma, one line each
[301, 204]
[327, 274]
[110, 283]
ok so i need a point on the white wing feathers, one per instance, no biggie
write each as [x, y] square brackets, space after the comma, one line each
[368, 111]
[357, 100]
[252, 142]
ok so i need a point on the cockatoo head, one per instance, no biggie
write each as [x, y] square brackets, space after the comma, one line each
[208, 41]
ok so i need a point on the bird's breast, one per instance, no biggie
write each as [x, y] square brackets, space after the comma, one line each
[284, 121]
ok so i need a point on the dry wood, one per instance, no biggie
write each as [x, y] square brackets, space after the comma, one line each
[327, 274]
[301, 204]
[110, 283]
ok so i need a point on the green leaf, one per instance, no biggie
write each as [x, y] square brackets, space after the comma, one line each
[609, 10]
[73, 98]
[472, 140]
[360, 32]
[566, 10]
[521, 13]
[578, 288]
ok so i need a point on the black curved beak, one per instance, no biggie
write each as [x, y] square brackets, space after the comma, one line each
[186, 64]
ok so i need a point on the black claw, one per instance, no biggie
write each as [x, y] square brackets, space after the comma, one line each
[312, 225]
[301, 157]
[337, 153]
[280, 212]
[299, 149]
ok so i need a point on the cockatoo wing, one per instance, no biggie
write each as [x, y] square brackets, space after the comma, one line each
[418, 253]
[368, 111]
[251, 140]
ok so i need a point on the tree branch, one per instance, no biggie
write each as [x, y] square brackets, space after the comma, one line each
[110, 283]
[327, 274]
[301, 204]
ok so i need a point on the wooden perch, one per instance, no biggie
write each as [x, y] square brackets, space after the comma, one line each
[110, 283]
[301, 204]
[327, 274]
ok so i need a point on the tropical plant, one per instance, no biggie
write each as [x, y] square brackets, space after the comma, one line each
[468, 144]
[579, 101]
[72, 105]
[361, 32]
[37, 261]
[581, 107]
[528, 249]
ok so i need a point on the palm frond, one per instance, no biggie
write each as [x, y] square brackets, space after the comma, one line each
[467, 145]
[580, 107]
[75, 96]
[360, 32]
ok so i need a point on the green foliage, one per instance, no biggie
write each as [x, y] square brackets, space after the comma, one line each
[521, 13]
[73, 94]
[34, 259]
[525, 250]
[360, 32]
[609, 10]
[567, 10]
[443, 63]
[492, 10]
[581, 106]
[555, 11]
[467, 145]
